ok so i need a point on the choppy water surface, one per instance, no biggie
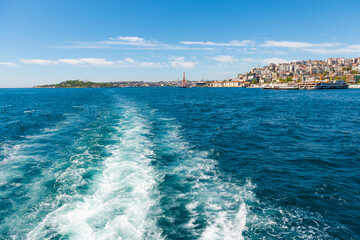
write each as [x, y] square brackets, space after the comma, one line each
[171, 163]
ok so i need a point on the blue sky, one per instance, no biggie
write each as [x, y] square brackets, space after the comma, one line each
[51, 41]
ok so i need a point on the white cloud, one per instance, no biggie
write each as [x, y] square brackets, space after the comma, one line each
[70, 61]
[138, 41]
[249, 60]
[132, 41]
[289, 44]
[275, 60]
[245, 46]
[152, 65]
[343, 50]
[135, 43]
[141, 43]
[267, 60]
[96, 61]
[8, 64]
[130, 60]
[77, 61]
[225, 59]
[102, 62]
[38, 61]
[128, 39]
[180, 62]
[228, 44]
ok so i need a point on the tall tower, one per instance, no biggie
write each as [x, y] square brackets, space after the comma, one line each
[183, 81]
[183, 84]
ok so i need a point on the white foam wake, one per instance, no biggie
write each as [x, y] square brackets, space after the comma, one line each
[18, 154]
[119, 201]
[221, 203]
[230, 209]
[24, 173]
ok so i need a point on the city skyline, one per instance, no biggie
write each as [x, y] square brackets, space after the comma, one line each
[44, 43]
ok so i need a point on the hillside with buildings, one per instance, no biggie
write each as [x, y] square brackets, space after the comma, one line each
[305, 71]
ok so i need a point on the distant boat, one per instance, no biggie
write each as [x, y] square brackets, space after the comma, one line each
[183, 84]
[338, 84]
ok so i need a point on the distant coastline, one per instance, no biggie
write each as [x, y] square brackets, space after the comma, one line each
[80, 84]
[309, 71]
[88, 84]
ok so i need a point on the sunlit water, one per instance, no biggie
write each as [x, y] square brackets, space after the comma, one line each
[172, 163]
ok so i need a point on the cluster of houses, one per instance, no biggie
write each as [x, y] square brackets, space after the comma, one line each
[299, 71]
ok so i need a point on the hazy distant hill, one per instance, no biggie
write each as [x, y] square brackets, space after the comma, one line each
[79, 84]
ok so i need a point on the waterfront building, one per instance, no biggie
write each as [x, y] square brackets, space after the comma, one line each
[228, 84]
[357, 78]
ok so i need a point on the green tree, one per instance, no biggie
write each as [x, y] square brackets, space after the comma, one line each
[288, 79]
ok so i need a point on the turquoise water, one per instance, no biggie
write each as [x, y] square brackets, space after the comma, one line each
[171, 163]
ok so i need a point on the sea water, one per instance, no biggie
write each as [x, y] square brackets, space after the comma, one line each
[172, 163]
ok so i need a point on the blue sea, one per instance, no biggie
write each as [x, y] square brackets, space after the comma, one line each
[172, 163]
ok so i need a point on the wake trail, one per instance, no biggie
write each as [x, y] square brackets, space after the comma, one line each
[120, 200]
[212, 207]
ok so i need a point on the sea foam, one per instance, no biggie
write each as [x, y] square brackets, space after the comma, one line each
[217, 208]
[121, 197]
